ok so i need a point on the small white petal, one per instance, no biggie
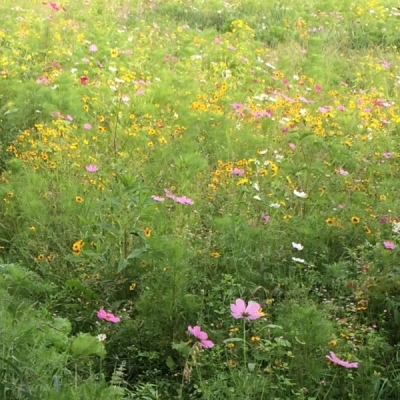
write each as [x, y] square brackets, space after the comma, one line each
[302, 195]
[297, 246]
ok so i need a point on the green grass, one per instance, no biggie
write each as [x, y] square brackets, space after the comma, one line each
[270, 131]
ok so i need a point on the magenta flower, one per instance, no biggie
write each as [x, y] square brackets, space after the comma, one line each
[333, 358]
[91, 168]
[249, 312]
[104, 315]
[201, 336]
[237, 171]
[87, 127]
[389, 245]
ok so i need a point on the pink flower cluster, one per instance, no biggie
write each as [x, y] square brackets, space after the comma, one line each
[176, 199]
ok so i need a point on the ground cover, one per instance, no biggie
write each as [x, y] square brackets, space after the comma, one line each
[199, 199]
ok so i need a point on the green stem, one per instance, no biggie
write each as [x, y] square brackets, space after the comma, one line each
[244, 343]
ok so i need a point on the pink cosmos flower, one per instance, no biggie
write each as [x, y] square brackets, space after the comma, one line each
[387, 155]
[333, 358]
[180, 200]
[292, 146]
[265, 218]
[93, 48]
[318, 89]
[102, 314]
[304, 100]
[184, 200]
[389, 245]
[385, 64]
[237, 106]
[201, 336]
[341, 108]
[324, 109]
[43, 80]
[158, 198]
[342, 171]
[249, 312]
[87, 127]
[91, 168]
[384, 219]
[237, 171]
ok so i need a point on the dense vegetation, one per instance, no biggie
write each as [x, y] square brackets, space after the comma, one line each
[161, 160]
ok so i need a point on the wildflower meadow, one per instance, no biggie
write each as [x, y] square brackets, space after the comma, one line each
[200, 199]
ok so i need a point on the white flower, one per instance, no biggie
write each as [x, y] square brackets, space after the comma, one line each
[102, 337]
[297, 246]
[256, 186]
[275, 205]
[302, 195]
[396, 227]
[299, 260]
[257, 197]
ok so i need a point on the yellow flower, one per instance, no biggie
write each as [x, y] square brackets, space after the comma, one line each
[215, 254]
[76, 247]
[355, 220]
[330, 221]
[114, 53]
[255, 338]
[32, 228]
[333, 342]
[78, 199]
[132, 286]
[147, 232]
